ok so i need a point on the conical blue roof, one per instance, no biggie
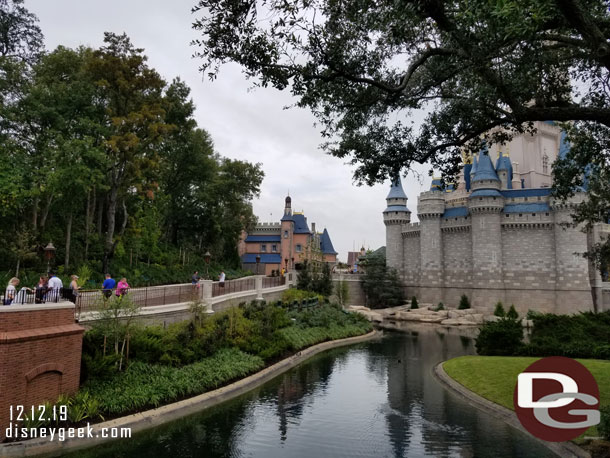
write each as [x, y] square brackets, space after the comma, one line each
[485, 169]
[325, 244]
[475, 163]
[467, 170]
[396, 191]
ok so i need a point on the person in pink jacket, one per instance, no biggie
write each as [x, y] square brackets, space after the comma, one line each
[122, 288]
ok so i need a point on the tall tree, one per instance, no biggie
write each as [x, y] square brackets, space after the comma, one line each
[132, 97]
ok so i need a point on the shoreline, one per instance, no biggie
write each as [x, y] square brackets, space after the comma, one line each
[562, 449]
[154, 417]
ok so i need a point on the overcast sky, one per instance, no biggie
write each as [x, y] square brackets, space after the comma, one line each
[245, 124]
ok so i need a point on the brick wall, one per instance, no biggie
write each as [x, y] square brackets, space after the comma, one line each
[40, 355]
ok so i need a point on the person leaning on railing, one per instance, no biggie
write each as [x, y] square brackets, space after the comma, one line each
[108, 285]
[11, 291]
[41, 289]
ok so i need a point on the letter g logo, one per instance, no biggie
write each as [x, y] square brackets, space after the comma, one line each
[556, 399]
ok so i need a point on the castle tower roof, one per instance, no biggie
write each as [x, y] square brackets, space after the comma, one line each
[475, 165]
[396, 191]
[485, 169]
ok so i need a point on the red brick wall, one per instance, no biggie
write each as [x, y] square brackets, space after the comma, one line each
[40, 354]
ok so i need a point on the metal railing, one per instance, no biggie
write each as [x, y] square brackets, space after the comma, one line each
[30, 296]
[272, 282]
[233, 286]
[150, 296]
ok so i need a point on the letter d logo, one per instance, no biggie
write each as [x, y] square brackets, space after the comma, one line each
[556, 399]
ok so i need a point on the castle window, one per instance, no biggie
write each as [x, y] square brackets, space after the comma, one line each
[299, 248]
[533, 214]
[545, 163]
[480, 198]
[263, 248]
[539, 198]
[520, 214]
[546, 214]
[274, 248]
[507, 215]
[525, 199]
[285, 234]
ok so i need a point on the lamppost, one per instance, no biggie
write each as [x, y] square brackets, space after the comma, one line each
[49, 253]
[207, 256]
[258, 261]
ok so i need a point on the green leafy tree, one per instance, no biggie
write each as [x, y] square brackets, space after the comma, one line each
[414, 304]
[342, 292]
[499, 310]
[464, 302]
[380, 284]
[512, 313]
[131, 94]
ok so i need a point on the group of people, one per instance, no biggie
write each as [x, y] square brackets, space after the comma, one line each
[48, 289]
[195, 279]
[110, 284]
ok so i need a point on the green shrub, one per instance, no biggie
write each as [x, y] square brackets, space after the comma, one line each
[512, 313]
[144, 385]
[499, 310]
[604, 425]
[440, 307]
[414, 304]
[501, 338]
[299, 295]
[464, 303]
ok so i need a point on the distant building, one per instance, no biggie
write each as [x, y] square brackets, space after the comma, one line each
[285, 244]
[352, 259]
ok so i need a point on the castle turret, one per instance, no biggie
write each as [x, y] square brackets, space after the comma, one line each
[485, 205]
[430, 209]
[395, 216]
[504, 169]
[287, 235]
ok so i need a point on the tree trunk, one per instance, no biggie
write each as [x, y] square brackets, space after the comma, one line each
[68, 240]
[110, 221]
[45, 213]
[88, 213]
[35, 214]
[100, 215]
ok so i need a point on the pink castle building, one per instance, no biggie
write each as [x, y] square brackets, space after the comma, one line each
[285, 244]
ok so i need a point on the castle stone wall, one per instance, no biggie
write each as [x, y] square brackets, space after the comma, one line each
[457, 265]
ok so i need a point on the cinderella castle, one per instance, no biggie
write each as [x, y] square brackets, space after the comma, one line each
[498, 234]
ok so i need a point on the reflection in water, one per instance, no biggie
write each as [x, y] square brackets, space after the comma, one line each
[377, 399]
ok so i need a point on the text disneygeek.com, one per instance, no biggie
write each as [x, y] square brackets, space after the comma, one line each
[61, 433]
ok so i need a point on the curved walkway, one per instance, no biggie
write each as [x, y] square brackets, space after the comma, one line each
[154, 417]
[563, 449]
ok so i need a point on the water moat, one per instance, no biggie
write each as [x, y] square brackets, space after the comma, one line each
[376, 399]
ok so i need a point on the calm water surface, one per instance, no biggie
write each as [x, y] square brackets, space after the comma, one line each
[377, 399]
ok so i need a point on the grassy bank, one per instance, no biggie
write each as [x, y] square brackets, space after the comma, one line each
[495, 377]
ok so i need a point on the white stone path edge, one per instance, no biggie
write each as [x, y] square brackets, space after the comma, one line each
[562, 449]
[155, 417]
